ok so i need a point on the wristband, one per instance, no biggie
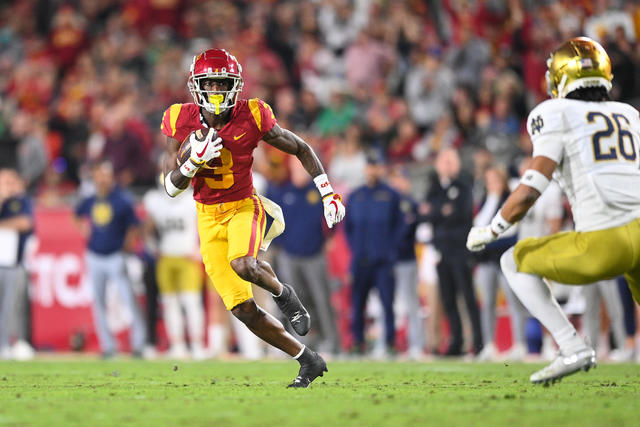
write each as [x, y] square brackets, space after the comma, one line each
[189, 169]
[170, 187]
[498, 224]
[322, 183]
[535, 180]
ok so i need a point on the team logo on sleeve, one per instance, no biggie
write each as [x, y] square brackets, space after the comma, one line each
[536, 124]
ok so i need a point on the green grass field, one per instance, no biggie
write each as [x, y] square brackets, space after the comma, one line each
[130, 392]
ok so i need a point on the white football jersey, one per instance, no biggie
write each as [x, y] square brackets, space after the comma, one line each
[176, 220]
[548, 207]
[596, 147]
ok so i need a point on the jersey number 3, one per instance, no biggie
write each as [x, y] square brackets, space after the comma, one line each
[223, 176]
[625, 146]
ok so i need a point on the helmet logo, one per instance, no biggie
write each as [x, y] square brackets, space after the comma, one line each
[216, 100]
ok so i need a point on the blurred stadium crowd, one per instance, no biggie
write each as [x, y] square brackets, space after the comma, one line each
[417, 94]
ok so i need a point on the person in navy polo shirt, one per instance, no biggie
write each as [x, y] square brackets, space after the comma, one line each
[302, 261]
[373, 227]
[107, 218]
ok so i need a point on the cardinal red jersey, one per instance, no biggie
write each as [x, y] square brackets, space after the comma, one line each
[230, 179]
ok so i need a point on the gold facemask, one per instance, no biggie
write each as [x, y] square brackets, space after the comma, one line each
[577, 63]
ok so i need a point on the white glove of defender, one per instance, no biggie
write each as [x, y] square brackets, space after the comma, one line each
[333, 209]
[205, 150]
[479, 237]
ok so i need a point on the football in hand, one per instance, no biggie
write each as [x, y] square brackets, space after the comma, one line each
[184, 152]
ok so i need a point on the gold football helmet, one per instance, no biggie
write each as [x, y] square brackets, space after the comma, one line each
[577, 63]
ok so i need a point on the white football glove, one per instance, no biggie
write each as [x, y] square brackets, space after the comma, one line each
[478, 238]
[205, 150]
[333, 209]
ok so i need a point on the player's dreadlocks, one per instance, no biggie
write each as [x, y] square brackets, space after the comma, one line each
[595, 94]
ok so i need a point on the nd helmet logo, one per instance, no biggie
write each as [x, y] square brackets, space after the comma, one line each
[536, 125]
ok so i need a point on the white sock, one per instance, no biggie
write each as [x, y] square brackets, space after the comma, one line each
[297, 356]
[192, 304]
[173, 319]
[217, 335]
[281, 291]
[536, 296]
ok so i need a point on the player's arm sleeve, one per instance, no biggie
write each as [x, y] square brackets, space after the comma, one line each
[262, 114]
[546, 127]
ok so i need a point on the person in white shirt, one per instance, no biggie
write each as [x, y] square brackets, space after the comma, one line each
[590, 146]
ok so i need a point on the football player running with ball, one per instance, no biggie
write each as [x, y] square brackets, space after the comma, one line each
[231, 217]
[590, 145]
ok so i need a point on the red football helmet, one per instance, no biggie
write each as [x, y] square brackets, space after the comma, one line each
[215, 64]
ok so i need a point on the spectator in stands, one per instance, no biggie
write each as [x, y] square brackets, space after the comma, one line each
[347, 166]
[340, 22]
[373, 227]
[108, 220]
[428, 87]
[16, 225]
[448, 208]
[301, 261]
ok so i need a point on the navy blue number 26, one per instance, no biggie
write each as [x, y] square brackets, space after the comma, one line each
[627, 151]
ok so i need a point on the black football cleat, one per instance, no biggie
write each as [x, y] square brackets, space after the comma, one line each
[290, 305]
[311, 368]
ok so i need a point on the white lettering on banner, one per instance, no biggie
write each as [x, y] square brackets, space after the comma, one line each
[60, 278]
[71, 295]
[42, 267]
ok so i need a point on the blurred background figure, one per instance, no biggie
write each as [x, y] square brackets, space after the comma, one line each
[348, 161]
[488, 274]
[449, 209]
[110, 224]
[179, 271]
[16, 225]
[407, 299]
[301, 260]
[605, 293]
[373, 227]
[631, 314]
[545, 217]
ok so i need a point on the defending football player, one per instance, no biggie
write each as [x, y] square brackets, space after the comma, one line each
[231, 217]
[590, 145]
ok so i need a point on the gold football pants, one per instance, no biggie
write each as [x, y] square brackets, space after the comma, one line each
[581, 258]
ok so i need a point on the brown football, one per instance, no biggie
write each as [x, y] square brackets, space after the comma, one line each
[184, 152]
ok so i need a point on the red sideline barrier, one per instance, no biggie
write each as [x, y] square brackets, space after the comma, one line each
[60, 294]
